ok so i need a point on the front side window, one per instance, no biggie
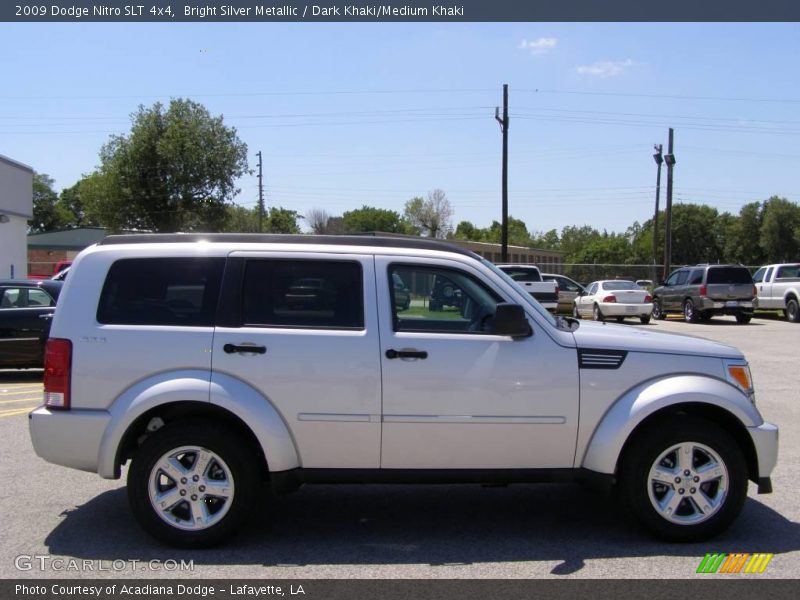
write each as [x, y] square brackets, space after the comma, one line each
[673, 278]
[681, 277]
[25, 298]
[161, 291]
[442, 300]
[759, 275]
[303, 293]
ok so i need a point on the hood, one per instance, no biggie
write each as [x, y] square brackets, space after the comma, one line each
[612, 336]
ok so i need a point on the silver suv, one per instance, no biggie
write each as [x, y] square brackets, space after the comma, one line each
[212, 363]
[702, 291]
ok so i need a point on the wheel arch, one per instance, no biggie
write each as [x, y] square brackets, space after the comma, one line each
[153, 419]
[648, 404]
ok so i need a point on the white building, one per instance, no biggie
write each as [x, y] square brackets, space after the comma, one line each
[16, 208]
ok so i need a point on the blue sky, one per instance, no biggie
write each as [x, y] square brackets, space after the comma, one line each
[353, 114]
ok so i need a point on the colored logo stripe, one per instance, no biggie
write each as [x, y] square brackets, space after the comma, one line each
[734, 563]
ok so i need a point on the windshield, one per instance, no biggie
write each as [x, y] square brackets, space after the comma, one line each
[523, 292]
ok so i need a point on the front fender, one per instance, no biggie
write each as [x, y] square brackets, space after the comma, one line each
[164, 388]
[638, 403]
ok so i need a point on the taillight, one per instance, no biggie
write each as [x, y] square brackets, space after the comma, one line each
[57, 368]
[703, 290]
[648, 299]
[755, 291]
[610, 299]
[556, 289]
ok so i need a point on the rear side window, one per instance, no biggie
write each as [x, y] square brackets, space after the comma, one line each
[522, 273]
[729, 275]
[696, 277]
[788, 271]
[303, 293]
[161, 291]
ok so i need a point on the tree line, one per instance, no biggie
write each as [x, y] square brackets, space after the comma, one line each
[176, 170]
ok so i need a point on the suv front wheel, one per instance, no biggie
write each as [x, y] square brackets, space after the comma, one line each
[192, 484]
[658, 311]
[685, 480]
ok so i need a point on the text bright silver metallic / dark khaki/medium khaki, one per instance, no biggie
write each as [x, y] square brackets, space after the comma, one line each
[213, 363]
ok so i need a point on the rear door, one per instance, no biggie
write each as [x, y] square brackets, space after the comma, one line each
[302, 330]
[729, 284]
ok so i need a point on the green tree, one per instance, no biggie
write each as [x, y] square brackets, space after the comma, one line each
[281, 220]
[694, 235]
[368, 218]
[74, 205]
[47, 214]
[174, 171]
[742, 236]
[778, 235]
[467, 231]
[548, 240]
[518, 234]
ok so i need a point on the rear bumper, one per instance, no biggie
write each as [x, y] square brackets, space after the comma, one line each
[70, 438]
[765, 441]
[721, 307]
[618, 309]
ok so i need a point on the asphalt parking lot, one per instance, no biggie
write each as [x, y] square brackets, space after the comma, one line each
[443, 531]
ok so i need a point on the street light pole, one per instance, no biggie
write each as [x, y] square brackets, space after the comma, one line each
[504, 128]
[659, 158]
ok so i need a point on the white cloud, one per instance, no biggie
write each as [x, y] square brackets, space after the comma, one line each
[606, 68]
[542, 45]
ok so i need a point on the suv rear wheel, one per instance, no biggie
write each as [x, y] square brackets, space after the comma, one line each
[685, 479]
[192, 484]
[743, 319]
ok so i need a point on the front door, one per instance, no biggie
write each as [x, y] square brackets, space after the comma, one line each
[458, 397]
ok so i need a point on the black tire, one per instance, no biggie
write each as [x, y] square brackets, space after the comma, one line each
[645, 319]
[241, 469]
[658, 312]
[690, 314]
[575, 312]
[706, 315]
[597, 315]
[706, 439]
[743, 319]
[620, 319]
[793, 310]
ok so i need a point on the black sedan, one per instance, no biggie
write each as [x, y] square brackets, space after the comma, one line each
[26, 309]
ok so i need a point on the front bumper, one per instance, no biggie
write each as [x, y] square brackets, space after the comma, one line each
[765, 442]
[70, 438]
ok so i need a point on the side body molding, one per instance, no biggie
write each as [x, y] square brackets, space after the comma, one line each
[260, 415]
[638, 403]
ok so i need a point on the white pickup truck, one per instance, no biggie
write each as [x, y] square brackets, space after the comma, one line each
[778, 288]
[530, 279]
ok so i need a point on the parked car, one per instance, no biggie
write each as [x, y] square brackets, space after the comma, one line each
[530, 279]
[402, 297]
[702, 291]
[778, 287]
[210, 402]
[645, 284]
[26, 309]
[618, 298]
[568, 290]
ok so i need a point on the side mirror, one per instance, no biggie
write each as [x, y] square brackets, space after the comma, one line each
[661, 282]
[510, 319]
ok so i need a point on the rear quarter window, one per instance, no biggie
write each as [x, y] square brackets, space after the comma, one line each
[161, 291]
[729, 275]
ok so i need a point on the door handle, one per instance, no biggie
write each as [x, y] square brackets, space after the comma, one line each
[392, 353]
[244, 349]
[47, 316]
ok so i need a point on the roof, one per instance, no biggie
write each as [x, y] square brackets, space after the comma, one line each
[274, 238]
[14, 163]
[67, 239]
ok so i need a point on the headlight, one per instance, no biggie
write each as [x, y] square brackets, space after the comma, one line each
[738, 373]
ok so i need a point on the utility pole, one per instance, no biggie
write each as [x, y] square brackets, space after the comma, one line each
[260, 195]
[670, 160]
[659, 158]
[504, 128]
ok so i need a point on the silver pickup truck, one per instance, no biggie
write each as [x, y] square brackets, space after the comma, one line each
[530, 279]
[778, 288]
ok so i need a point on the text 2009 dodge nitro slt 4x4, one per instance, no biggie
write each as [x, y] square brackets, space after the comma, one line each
[211, 363]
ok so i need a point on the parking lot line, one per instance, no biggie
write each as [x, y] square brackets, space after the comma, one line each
[6, 394]
[16, 411]
[15, 400]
